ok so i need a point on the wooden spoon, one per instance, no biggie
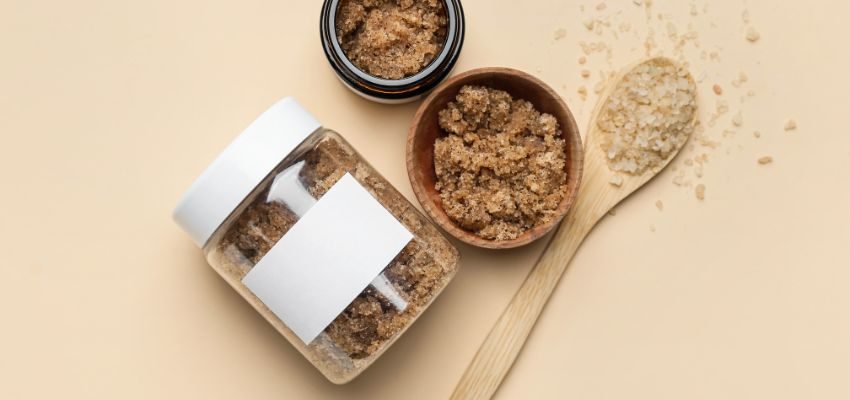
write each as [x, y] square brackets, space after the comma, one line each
[596, 197]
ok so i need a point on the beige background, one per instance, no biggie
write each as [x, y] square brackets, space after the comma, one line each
[109, 109]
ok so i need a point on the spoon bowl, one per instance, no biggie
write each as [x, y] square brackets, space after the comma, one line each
[597, 170]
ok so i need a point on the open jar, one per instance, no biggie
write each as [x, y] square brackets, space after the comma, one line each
[318, 242]
[392, 51]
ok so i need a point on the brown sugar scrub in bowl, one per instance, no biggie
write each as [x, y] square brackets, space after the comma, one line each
[501, 166]
[391, 39]
[494, 157]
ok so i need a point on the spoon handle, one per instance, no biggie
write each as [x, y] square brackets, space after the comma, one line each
[504, 342]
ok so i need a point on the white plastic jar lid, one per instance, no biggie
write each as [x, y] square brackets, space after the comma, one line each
[242, 165]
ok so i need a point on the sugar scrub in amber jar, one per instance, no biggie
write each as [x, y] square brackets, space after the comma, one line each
[316, 240]
[392, 51]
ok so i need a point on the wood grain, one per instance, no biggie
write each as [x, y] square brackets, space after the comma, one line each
[596, 197]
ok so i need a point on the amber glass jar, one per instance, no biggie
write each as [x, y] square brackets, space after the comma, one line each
[316, 240]
[401, 90]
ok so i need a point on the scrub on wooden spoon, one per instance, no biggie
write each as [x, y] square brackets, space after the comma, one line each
[648, 116]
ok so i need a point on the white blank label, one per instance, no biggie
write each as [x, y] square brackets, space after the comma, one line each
[323, 262]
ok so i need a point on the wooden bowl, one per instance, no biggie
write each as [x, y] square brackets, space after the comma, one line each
[425, 130]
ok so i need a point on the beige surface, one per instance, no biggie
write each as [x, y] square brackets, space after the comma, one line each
[110, 109]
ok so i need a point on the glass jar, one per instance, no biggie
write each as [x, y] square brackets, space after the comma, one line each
[394, 91]
[317, 241]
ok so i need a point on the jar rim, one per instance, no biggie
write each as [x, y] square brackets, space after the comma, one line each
[393, 88]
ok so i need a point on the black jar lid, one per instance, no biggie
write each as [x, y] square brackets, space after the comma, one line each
[393, 90]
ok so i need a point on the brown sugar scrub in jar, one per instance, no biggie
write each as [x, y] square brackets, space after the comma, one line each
[392, 51]
[391, 39]
[500, 166]
[316, 240]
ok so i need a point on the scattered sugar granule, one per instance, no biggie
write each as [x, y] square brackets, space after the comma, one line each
[585, 73]
[700, 191]
[694, 10]
[790, 125]
[742, 78]
[601, 6]
[738, 119]
[648, 117]
[718, 90]
[582, 60]
[652, 228]
[765, 160]
[560, 34]
[638, 2]
[745, 16]
[582, 92]
[598, 29]
[593, 47]
[588, 23]
[722, 107]
[616, 180]
[672, 32]
[753, 35]
[757, 134]
[659, 205]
